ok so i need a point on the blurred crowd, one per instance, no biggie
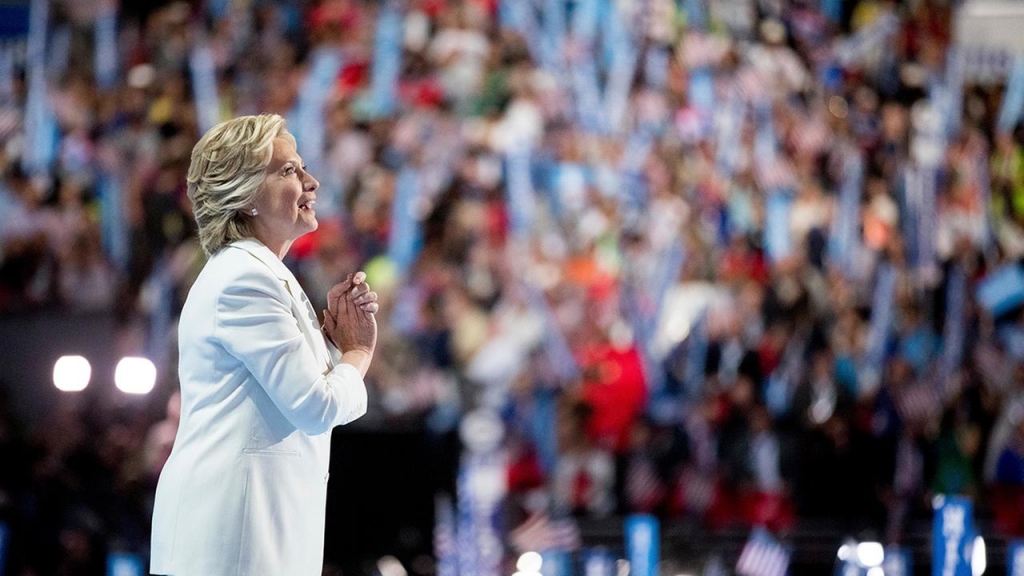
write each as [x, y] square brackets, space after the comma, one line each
[658, 283]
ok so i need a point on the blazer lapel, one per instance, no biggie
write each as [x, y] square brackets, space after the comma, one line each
[302, 309]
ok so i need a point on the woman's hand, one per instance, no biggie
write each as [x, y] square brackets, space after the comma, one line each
[349, 320]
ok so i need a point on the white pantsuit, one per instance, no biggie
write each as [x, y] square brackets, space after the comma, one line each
[244, 490]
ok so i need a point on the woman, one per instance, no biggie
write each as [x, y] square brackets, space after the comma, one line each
[244, 489]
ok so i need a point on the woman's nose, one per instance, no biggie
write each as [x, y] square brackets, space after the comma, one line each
[311, 184]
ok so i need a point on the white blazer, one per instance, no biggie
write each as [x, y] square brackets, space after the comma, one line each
[244, 490]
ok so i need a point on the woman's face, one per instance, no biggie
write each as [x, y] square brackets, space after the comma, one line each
[285, 201]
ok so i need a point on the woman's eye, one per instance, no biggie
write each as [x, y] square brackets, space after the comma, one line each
[289, 170]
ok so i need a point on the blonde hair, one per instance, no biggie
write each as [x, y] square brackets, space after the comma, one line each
[226, 174]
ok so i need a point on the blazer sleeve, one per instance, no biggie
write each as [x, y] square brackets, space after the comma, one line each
[255, 324]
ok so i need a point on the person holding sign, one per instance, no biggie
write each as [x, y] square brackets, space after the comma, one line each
[245, 487]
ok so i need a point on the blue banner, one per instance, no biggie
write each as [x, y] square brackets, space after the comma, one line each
[621, 52]
[764, 140]
[729, 120]
[952, 536]
[105, 59]
[405, 238]
[387, 59]
[778, 241]
[555, 563]
[481, 487]
[544, 427]
[696, 14]
[310, 130]
[845, 236]
[204, 86]
[520, 17]
[41, 132]
[4, 537]
[122, 564]
[553, 42]
[587, 93]
[114, 234]
[6, 74]
[642, 545]
[954, 91]
[1015, 558]
[696, 356]
[702, 89]
[953, 331]
[878, 330]
[1002, 290]
[1013, 98]
[519, 194]
[598, 562]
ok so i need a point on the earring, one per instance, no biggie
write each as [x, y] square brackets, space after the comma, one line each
[253, 212]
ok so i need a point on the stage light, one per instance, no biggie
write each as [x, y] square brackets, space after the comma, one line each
[979, 559]
[844, 552]
[876, 571]
[391, 566]
[870, 554]
[71, 373]
[135, 375]
[529, 562]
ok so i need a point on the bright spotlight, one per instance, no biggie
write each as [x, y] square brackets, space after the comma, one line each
[390, 566]
[135, 375]
[979, 559]
[870, 554]
[876, 571]
[844, 552]
[71, 373]
[529, 562]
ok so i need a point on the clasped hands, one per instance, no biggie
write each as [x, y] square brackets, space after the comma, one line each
[349, 320]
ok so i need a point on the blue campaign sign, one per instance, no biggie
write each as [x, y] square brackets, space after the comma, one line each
[555, 563]
[1002, 290]
[598, 562]
[122, 564]
[1015, 558]
[952, 536]
[642, 539]
[4, 535]
[897, 562]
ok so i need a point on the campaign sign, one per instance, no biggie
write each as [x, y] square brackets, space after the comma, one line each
[642, 537]
[952, 536]
[1002, 290]
[1015, 558]
[555, 563]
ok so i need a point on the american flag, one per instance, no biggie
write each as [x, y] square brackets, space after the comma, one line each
[762, 555]
[919, 402]
[539, 533]
[644, 489]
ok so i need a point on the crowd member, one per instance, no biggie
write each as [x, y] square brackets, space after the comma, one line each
[675, 256]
